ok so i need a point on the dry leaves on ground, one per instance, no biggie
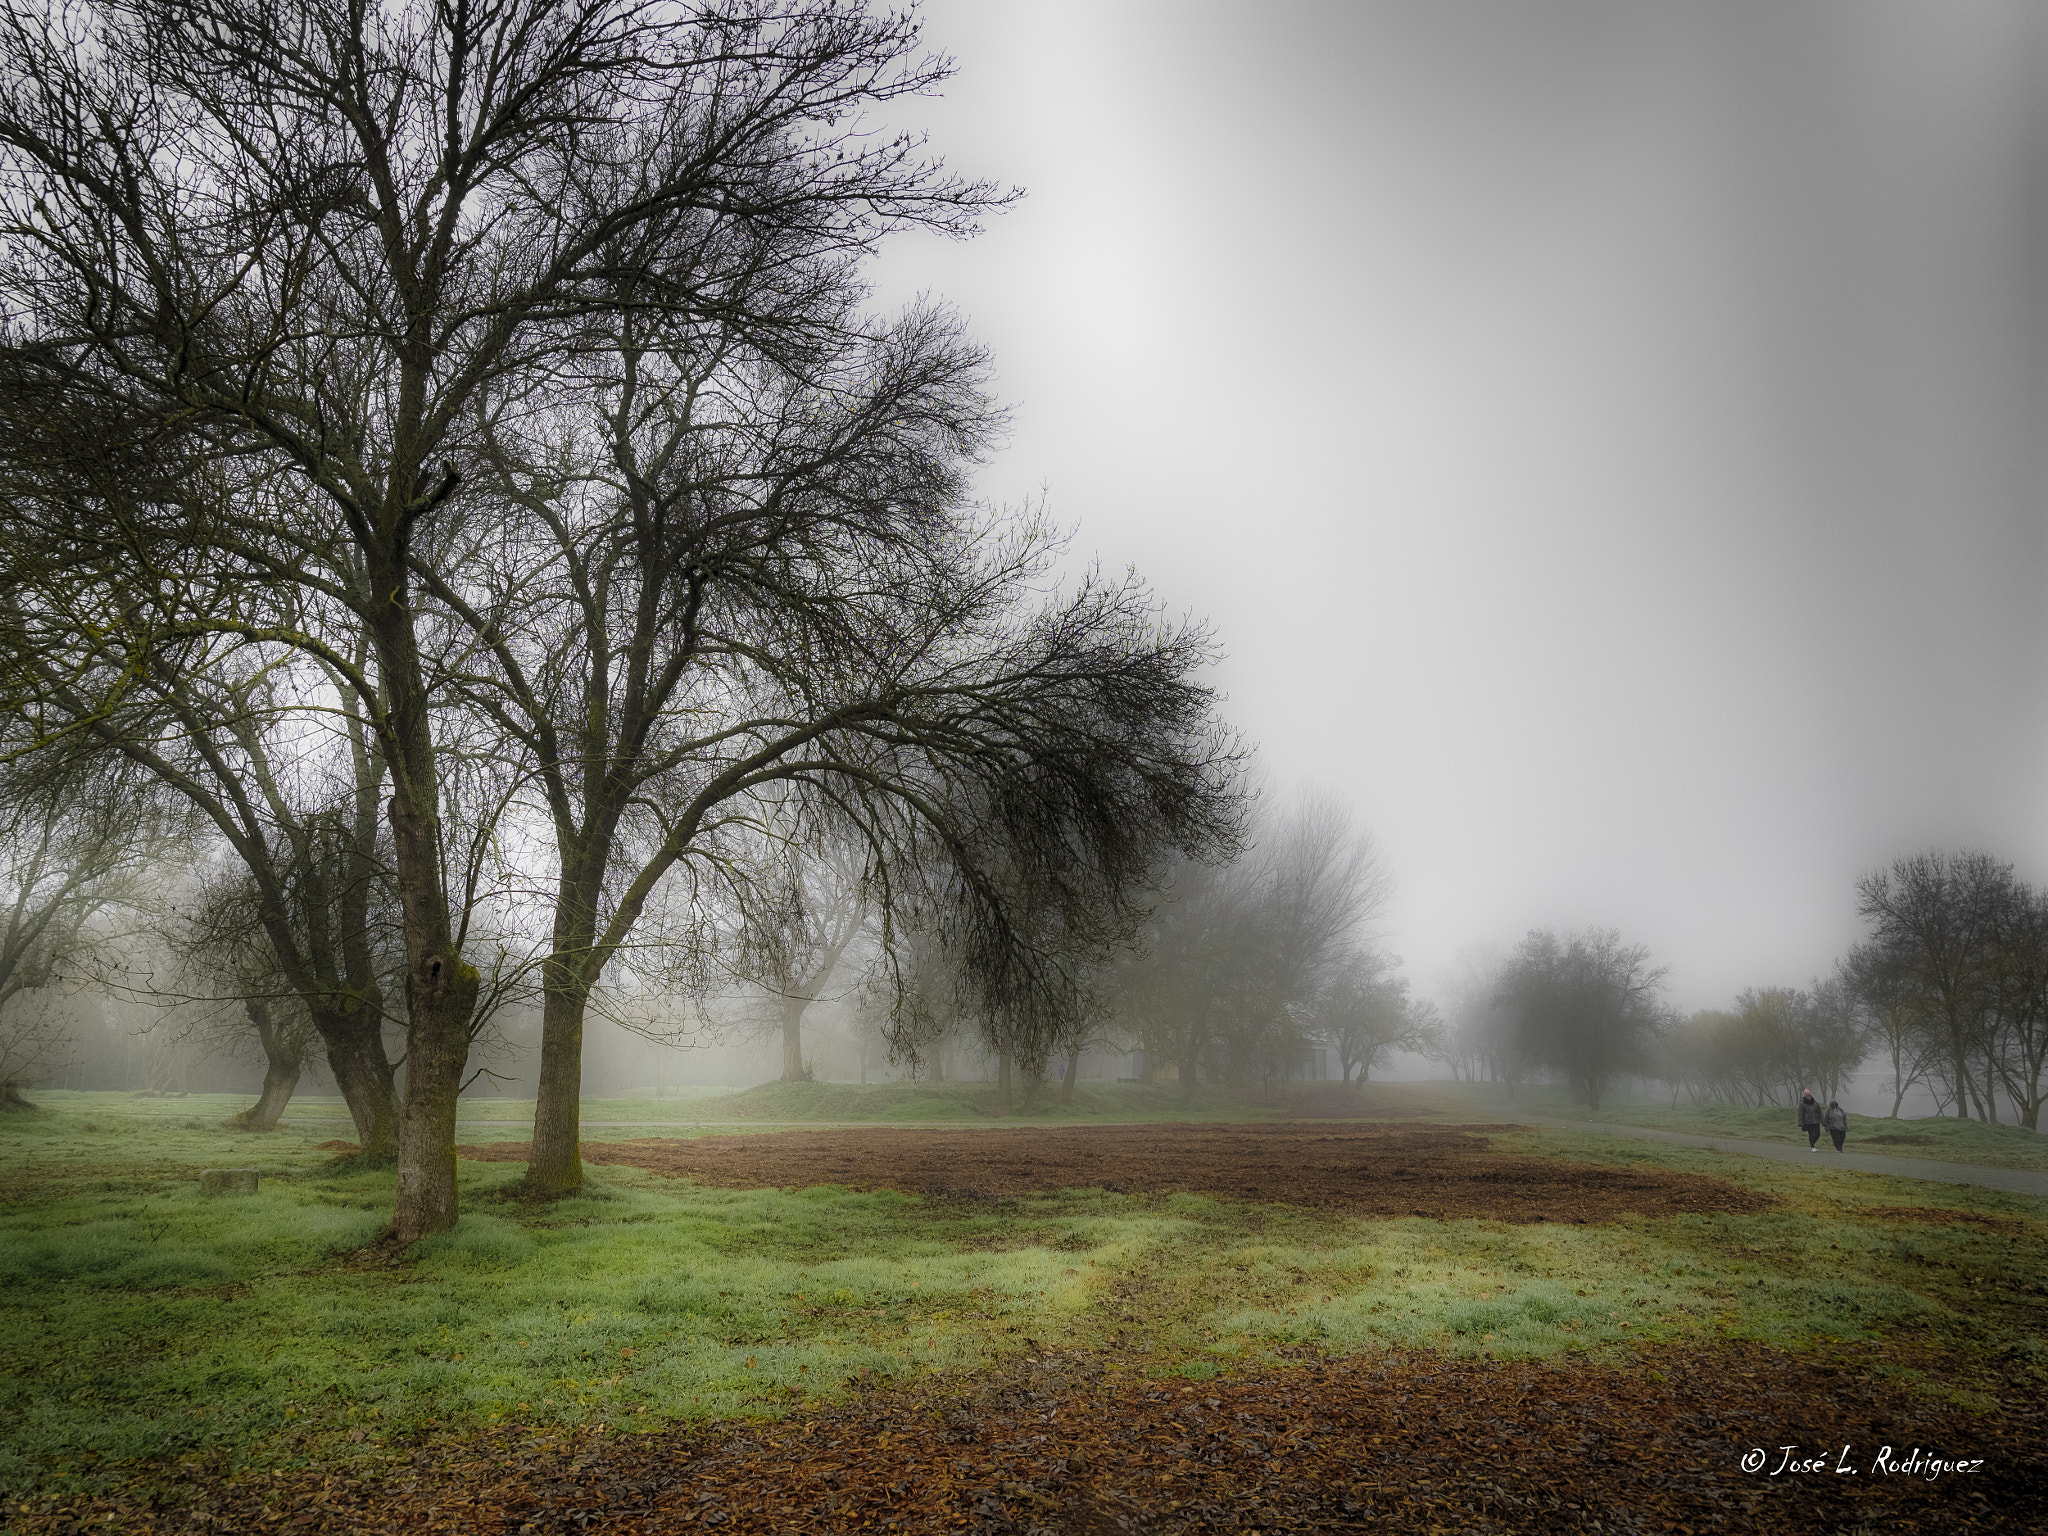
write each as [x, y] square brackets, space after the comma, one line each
[1074, 1444]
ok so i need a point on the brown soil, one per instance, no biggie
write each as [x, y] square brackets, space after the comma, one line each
[1448, 1172]
[1073, 1445]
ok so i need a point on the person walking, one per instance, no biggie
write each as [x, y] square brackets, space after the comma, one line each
[1837, 1122]
[1809, 1119]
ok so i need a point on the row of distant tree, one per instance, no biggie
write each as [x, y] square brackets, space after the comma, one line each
[1238, 971]
[1949, 990]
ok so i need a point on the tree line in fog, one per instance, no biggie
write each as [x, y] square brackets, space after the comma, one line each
[1947, 992]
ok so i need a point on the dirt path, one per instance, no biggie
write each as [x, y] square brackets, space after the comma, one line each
[1449, 1172]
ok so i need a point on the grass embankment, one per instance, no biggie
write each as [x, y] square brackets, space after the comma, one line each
[143, 1323]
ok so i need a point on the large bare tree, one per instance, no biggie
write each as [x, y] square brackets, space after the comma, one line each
[317, 234]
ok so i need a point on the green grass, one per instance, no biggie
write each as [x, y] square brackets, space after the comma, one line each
[496, 1119]
[143, 1323]
[1939, 1139]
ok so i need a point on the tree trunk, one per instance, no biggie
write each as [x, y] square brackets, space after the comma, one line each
[1956, 1055]
[282, 1057]
[555, 1165]
[280, 1080]
[354, 1042]
[1073, 1076]
[1003, 1079]
[793, 1068]
[441, 993]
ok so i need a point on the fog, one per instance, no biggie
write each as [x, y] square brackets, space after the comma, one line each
[1608, 437]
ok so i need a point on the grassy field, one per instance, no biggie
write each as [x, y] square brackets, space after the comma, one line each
[492, 1119]
[143, 1323]
[789, 1103]
[1934, 1139]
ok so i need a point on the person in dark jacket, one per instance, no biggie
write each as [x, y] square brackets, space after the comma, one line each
[1837, 1122]
[1809, 1120]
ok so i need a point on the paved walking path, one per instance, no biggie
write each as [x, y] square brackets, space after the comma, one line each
[2020, 1181]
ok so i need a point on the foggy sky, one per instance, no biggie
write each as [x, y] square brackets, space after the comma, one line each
[1608, 437]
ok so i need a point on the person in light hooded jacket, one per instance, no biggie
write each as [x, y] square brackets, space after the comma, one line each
[1837, 1122]
[1809, 1120]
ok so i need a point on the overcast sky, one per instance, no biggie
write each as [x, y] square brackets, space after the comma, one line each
[1608, 438]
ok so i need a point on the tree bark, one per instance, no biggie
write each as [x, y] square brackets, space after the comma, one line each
[354, 1041]
[793, 1068]
[1003, 1079]
[282, 1059]
[440, 993]
[555, 1165]
[1073, 1076]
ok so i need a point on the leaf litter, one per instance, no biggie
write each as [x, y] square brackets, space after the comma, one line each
[1083, 1443]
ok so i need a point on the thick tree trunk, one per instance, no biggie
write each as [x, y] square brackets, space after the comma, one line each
[1073, 1076]
[555, 1165]
[440, 987]
[441, 993]
[354, 1042]
[1003, 1079]
[280, 1081]
[793, 1068]
[282, 1057]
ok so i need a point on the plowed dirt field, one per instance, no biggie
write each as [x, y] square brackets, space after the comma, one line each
[1448, 1172]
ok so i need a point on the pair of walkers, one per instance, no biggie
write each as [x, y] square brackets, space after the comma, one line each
[1813, 1120]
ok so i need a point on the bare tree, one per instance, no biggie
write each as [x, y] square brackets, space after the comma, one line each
[2019, 1046]
[319, 233]
[799, 925]
[1363, 1012]
[1892, 1008]
[750, 605]
[225, 989]
[1935, 920]
[79, 848]
[1585, 1006]
[1233, 951]
[1476, 1034]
